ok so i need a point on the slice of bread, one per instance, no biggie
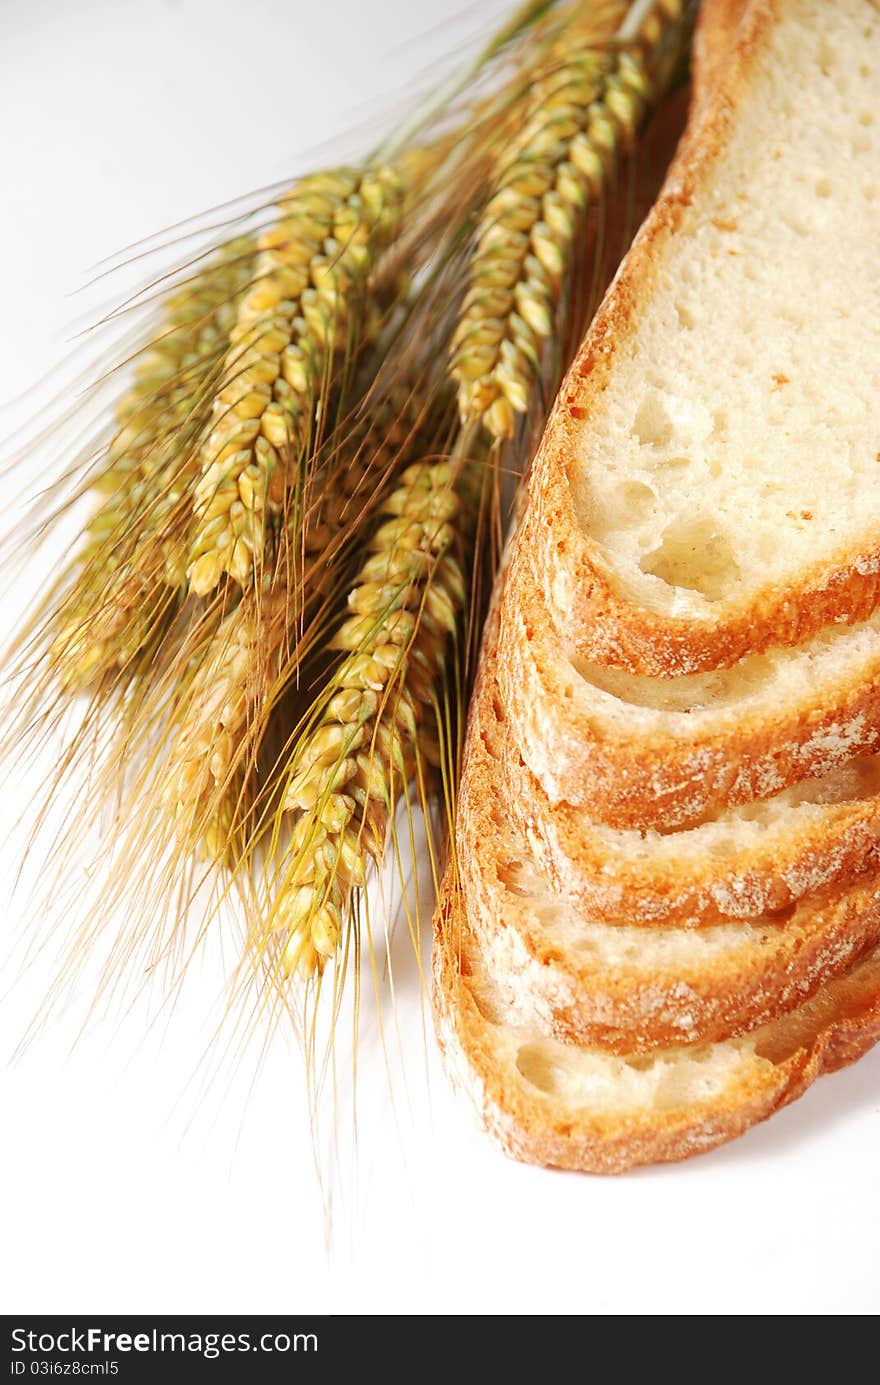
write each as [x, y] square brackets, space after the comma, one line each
[758, 858]
[707, 485]
[622, 985]
[642, 752]
[575, 1107]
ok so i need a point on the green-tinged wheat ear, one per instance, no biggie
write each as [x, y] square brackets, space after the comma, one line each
[308, 302]
[132, 557]
[587, 103]
[359, 755]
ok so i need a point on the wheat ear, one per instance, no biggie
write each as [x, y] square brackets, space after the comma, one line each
[131, 557]
[307, 303]
[197, 321]
[585, 110]
[360, 752]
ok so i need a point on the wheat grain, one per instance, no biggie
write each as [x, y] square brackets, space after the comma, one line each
[309, 294]
[585, 110]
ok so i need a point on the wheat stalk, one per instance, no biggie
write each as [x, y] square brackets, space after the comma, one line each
[585, 110]
[307, 303]
[231, 677]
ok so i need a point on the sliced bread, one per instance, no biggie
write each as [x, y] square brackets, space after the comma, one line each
[622, 985]
[577, 1107]
[707, 485]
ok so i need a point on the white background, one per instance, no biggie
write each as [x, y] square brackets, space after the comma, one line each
[133, 1177]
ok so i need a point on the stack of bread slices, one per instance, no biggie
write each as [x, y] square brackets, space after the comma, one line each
[662, 917]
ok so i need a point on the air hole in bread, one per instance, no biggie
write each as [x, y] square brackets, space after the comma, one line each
[632, 502]
[794, 223]
[535, 1063]
[723, 847]
[652, 424]
[685, 317]
[487, 1000]
[823, 187]
[695, 555]
[682, 1085]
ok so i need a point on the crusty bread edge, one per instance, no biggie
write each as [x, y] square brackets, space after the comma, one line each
[764, 877]
[667, 780]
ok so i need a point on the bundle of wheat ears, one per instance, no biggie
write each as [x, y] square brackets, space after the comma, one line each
[266, 628]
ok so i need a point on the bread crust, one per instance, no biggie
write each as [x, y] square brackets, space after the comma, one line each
[713, 45]
[695, 889]
[586, 601]
[654, 778]
[834, 1028]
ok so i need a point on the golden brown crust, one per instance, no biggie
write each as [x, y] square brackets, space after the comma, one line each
[627, 778]
[586, 602]
[834, 1028]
